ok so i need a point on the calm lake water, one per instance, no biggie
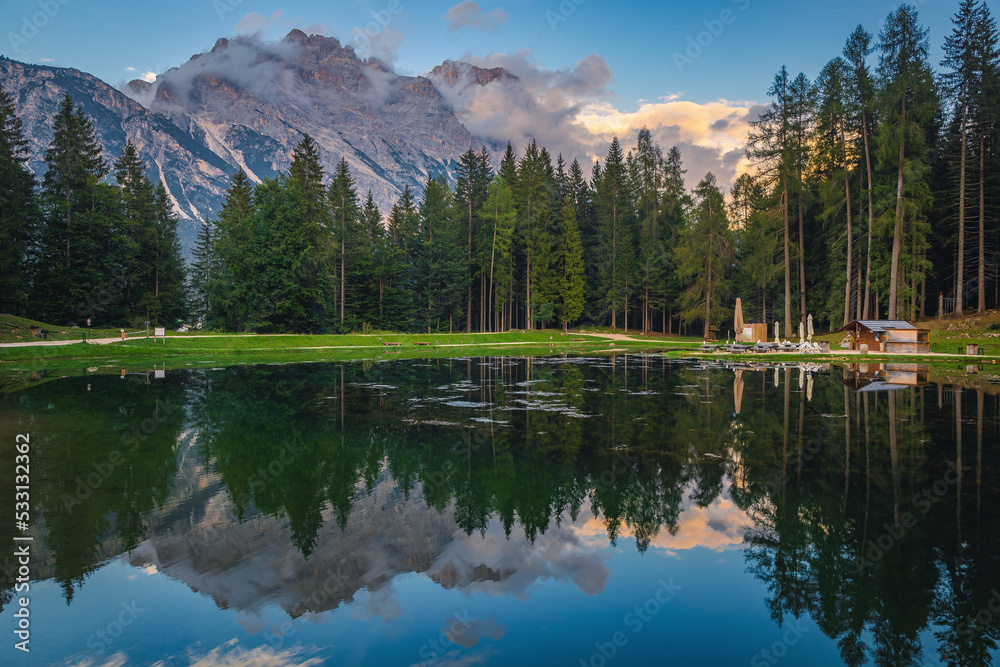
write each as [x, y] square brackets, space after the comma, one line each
[506, 511]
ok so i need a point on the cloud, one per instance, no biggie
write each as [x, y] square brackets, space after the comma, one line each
[574, 112]
[383, 45]
[247, 62]
[231, 654]
[469, 14]
[254, 22]
[719, 527]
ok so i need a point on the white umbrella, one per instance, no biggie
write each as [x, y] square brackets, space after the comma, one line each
[777, 332]
[802, 332]
[809, 327]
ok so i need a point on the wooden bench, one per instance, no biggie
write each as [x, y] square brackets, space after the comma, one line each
[578, 340]
[421, 343]
[393, 344]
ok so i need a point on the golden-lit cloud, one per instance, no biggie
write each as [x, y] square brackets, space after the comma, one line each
[718, 527]
[574, 112]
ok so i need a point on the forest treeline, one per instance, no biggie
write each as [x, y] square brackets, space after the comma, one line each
[870, 192]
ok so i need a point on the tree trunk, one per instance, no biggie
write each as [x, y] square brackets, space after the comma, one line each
[981, 306]
[788, 266]
[897, 235]
[960, 270]
[468, 315]
[866, 310]
[850, 237]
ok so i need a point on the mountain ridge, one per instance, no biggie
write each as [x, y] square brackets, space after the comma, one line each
[246, 103]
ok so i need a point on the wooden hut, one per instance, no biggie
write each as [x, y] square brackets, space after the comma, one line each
[892, 336]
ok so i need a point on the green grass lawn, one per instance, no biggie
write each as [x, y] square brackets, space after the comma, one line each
[197, 349]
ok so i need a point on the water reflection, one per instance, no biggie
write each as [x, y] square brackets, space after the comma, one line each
[309, 487]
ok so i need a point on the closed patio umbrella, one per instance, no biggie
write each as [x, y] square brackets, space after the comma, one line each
[809, 327]
[739, 319]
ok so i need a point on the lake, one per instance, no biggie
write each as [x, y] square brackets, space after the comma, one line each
[504, 511]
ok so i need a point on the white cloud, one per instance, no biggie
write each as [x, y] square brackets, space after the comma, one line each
[469, 14]
[148, 77]
[254, 22]
[574, 112]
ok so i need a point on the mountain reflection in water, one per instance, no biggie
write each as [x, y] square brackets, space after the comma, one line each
[310, 488]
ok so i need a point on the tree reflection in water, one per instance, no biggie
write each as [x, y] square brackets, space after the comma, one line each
[871, 494]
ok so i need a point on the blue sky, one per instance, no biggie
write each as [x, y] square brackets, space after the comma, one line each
[695, 74]
[638, 40]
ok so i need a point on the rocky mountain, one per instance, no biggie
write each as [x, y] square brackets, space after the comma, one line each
[194, 175]
[246, 103]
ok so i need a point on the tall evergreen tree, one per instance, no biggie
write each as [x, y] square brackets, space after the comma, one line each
[203, 255]
[570, 265]
[18, 210]
[908, 102]
[704, 258]
[614, 216]
[344, 209]
[79, 212]
[856, 52]
[500, 215]
[438, 264]
[769, 146]
[234, 264]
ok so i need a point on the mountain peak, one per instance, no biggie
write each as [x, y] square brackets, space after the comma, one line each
[451, 71]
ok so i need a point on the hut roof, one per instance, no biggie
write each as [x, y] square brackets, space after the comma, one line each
[880, 326]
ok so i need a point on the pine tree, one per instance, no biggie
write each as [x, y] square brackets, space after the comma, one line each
[802, 95]
[165, 298]
[986, 119]
[856, 52]
[365, 275]
[74, 165]
[649, 176]
[500, 215]
[136, 231]
[201, 271]
[676, 203]
[959, 83]
[769, 146]
[438, 261]
[908, 102]
[343, 201]
[308, 199]
[704, 258]
[570, 264]
[233, 267]
[614, 216]
[833, 159]
[77, 262]
[18, 211]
